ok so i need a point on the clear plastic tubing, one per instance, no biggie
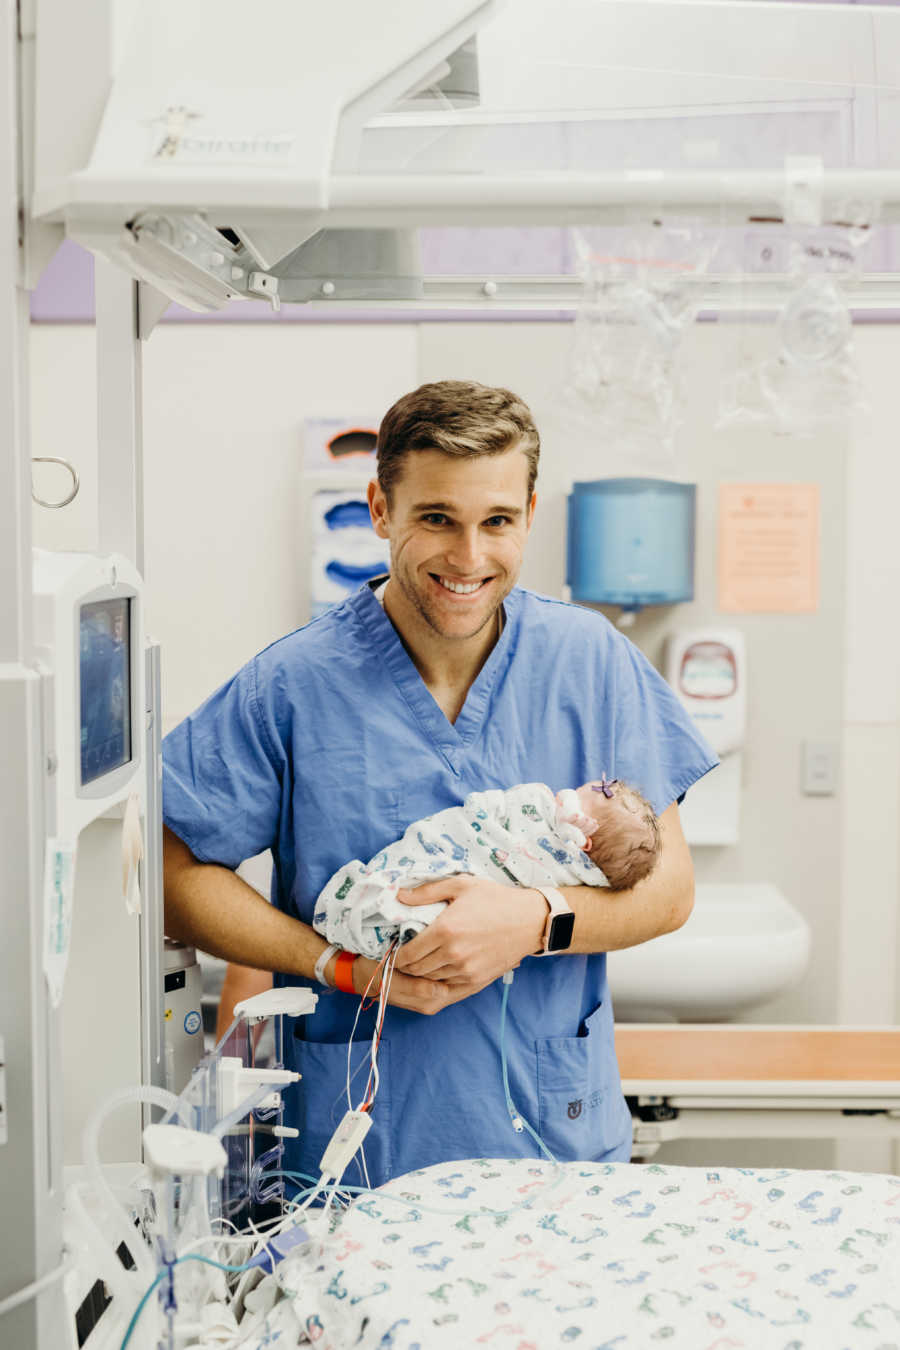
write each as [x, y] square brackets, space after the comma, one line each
[90, 1148]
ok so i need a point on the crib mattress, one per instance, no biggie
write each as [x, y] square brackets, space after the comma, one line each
[602, 1257]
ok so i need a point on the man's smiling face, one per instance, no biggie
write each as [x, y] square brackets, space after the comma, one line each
[457, 529]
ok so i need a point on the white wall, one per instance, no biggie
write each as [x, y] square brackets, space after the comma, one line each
[224, 407]
[223, 419]
[868, 991]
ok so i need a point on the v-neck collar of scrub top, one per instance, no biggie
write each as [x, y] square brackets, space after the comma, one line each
[448, 737]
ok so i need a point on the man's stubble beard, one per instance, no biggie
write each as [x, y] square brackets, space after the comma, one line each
[415, 599]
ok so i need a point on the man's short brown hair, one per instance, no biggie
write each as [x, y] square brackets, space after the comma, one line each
[457, 417]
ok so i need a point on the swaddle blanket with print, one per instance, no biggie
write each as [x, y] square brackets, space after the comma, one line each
[521, 836]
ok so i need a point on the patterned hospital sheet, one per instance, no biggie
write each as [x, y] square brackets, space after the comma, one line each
[603, 1257]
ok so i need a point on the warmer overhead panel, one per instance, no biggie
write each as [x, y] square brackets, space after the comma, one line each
[232, 134]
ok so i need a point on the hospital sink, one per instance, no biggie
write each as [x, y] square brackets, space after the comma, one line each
[742, 945]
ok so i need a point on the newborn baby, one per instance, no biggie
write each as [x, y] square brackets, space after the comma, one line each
[601, 834]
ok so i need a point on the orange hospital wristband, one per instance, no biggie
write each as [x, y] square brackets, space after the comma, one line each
[343, 972]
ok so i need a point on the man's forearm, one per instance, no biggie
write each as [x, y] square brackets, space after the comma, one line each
[607, 921]
[212, 908]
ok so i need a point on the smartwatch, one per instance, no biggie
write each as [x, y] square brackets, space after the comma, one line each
[560, 922]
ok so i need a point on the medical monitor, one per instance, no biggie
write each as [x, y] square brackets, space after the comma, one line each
[89, 630]
[105, 720]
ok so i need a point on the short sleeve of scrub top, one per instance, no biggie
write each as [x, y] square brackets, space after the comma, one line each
[223, 775]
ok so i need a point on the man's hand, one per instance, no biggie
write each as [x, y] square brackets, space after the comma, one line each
[486, 929]
[421, 996]
[415, 993]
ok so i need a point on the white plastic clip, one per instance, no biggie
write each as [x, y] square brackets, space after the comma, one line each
[804, 177]
[235, 1084]
[171, 1150]
[260, 283]
[291, 1000]
[345, 1142]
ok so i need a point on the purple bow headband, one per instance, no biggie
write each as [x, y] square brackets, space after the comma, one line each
[605, 787]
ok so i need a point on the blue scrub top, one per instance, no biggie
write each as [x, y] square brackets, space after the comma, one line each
[323, 748]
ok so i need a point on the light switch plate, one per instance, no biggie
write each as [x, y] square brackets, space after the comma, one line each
[819, 768]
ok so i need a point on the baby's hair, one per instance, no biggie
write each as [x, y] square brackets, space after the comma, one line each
[628, 855]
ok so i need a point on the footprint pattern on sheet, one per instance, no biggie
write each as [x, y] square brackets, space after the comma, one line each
[520, 1255]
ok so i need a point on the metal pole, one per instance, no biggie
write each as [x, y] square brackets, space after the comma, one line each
[15, 499]
[120, 451]
[153, 1046]
[30, 1159]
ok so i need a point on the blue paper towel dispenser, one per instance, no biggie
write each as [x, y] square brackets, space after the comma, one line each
[631, 542]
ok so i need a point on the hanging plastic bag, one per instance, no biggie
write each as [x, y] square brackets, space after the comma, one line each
[805, 376]
[622, 386]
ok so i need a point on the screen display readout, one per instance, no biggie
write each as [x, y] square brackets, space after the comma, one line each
[105, 664]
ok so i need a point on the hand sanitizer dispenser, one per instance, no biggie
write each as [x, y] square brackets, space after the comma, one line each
[707, 670]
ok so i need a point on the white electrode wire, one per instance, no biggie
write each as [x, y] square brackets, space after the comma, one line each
[32, 1290]
[329, 1198]
[387, 976]
[362, 1000]
[262, 1233]
[373, 1079]
[235, 1238]
[247, 1239]
[245, 1278]
[273, 1228]
[350, 1042]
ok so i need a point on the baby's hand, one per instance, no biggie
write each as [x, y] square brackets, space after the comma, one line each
[571, 822]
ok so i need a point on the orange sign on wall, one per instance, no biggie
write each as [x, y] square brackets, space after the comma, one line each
[769, 548]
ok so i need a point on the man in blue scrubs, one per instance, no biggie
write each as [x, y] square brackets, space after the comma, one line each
[396, 704]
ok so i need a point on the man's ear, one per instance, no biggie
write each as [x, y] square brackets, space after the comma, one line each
[530, 514]
[378, 509]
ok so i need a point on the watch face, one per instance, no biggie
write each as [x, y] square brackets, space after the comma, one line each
[562, 927]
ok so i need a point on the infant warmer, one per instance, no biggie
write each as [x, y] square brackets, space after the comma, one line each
[631, 542]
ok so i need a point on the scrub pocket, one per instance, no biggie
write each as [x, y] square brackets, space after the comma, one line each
[579, 1096]
[318, 1102]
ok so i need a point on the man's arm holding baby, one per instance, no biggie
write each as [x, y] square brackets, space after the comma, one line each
[489, 927]
[213, 908]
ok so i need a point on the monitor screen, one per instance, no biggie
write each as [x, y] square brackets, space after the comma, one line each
[105, 637]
